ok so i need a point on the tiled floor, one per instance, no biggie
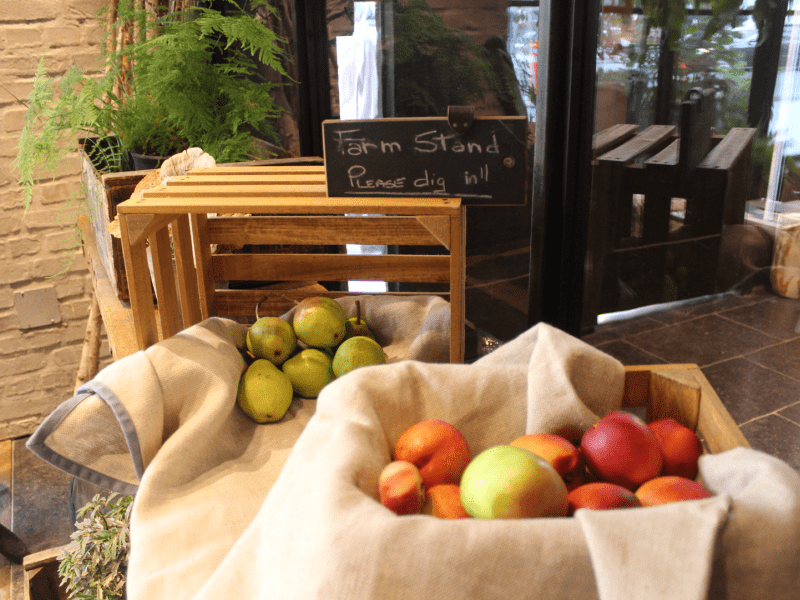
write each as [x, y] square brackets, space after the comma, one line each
[747, 345]
[34, 504]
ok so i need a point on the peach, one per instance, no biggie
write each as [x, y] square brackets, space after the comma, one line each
[670, 488]
[680, 447]
[438, 450]
[444, 501]
[621, 449]
[401, 489]
[557, 450]
[601, 495]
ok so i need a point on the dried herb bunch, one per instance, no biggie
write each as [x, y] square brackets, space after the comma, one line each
[94, 565]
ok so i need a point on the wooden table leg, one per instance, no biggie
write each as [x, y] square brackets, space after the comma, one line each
[90, 353]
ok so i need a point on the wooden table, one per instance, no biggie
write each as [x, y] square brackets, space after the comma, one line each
[283, 205]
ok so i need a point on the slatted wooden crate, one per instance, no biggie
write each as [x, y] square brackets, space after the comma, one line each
[285, 205]
[645, 251]
[104, 191]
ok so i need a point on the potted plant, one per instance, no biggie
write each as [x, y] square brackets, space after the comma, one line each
[184, 79]
[95, 564]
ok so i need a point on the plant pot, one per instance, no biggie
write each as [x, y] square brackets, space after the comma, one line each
[144, 162]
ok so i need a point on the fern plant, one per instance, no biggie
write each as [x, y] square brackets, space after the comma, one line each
[189, 79]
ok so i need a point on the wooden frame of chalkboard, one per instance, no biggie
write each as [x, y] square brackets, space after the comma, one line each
[486, 165]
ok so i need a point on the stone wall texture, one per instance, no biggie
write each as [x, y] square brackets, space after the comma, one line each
[38, 364]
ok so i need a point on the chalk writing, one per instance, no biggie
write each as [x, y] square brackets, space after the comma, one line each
[425, 157]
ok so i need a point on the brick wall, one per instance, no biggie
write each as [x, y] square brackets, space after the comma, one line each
[39, 362]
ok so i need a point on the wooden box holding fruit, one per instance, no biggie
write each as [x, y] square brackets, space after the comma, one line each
[273, 206]
[643, 455]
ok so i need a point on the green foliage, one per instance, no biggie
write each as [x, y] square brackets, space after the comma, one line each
[435, 65]
[671, 15]
[189, 80]
[94, 565]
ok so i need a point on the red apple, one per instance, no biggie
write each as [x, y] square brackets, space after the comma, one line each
[680, 447]
[601, 496]
[621, 449]
[670, 488]
[438, 450]
[401, 489]
[444, 501]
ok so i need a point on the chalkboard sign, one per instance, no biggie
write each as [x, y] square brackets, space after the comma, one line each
[486, 165]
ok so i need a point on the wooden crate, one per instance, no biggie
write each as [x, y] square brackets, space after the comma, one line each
[41, 576]
[675, 390]
[639, 253]
[104, 191]
[287, 205]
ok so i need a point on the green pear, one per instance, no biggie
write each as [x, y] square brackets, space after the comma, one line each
[271, 338]
[309, 371]
[265, 392]
[356, 325]
[358, 351]
[319, 322]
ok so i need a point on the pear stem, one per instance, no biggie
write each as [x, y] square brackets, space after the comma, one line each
[358, 312]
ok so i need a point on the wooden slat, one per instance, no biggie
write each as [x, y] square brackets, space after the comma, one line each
[187, 274]
[202, 260]
[243, 179]
[457, 277]
[330, 267]
[649, 140]
[141, 226]
[41, 558]
[668, 156]
[164, 278]
[278, 302]
[223, 171]
[399, 231]
[139, 286]
[232, 193]
[605, 140]
[306, 205]
[728, 151]
[714, 423]
[117, 316]
[439, 227]
[674, 394]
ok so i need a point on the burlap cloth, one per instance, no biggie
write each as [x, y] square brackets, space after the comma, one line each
[226, 508]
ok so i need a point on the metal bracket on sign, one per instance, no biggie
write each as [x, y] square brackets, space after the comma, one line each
[461, 118]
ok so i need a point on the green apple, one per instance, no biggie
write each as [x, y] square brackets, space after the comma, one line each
[319, 322]
[309, 371]
[508, 482]
[359, 351]
[356, 325]
[271, 338]
[265, 392]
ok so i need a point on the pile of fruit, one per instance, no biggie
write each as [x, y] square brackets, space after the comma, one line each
[302, 356]
[620, 462]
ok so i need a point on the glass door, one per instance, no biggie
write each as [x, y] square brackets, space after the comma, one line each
[570, 255]
[415, 59]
